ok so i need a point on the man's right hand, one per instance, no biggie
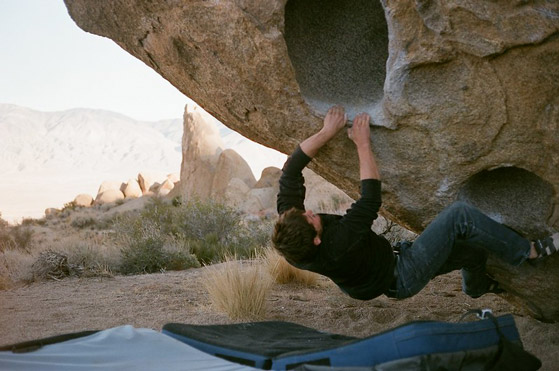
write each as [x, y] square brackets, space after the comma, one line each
[360, 132]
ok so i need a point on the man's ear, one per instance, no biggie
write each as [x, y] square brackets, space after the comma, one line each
[316, 241]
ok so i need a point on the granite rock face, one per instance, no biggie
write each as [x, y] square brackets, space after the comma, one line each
[464, 95]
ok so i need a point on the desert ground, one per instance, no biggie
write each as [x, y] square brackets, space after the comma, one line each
[49, 308]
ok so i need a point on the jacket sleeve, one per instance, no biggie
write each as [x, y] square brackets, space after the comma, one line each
[291, 183]
[363, 212]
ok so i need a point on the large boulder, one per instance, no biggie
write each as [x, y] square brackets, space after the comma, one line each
[165, 188]
[145, 180]
[109, 185]
[109, 196]
[83, 200]
[269, 178]
[132, 189]
[464, 95]
[236, 194]
[230, 165]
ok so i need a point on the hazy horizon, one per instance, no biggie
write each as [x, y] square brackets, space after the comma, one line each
[50, 65]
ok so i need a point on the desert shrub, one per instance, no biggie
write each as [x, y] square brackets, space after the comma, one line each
[91, 256]
[30, 221]
[283, 272]
[69, 206]
[16, 266]
[238, 288]
[198, 219]
[15, 237]
[5, 239]
[22, 236]
[146, 249]
[83, 222]
[258, 232]
[207, 229]
[51, 265]
[208, 249]
[3, 223]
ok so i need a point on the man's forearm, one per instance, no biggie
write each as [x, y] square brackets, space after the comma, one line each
[312, 144]
[334, 121]
[368, 168]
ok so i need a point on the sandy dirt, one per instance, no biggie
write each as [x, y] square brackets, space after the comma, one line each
[56, 307]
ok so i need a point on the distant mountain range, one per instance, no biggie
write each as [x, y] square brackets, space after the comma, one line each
[47, 158]
[85, 140]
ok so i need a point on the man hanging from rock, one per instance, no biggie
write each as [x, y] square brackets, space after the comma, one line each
[363, 264]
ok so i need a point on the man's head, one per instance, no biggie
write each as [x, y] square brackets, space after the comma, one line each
[297, 234]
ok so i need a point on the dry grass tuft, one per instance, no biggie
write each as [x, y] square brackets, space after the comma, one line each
[283, 272]
[238, 288]
[16, 266]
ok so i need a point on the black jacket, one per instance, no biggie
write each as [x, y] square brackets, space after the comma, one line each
[359, 261]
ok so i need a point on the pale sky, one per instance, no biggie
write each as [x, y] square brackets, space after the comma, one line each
[48, 63]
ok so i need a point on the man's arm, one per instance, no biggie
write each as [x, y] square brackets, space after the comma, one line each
[291, 183]
[333, 122]
[365, 210]
[360, 133]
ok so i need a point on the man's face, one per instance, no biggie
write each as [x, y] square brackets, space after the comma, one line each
[314, 220]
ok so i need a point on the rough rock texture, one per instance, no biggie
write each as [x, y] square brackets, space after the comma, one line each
[464, 95]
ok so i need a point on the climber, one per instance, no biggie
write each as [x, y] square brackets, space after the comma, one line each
[363, 264]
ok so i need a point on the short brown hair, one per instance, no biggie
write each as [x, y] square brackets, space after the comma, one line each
[293, 236]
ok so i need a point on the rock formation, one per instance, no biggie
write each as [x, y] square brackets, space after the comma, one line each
[132, 189]
[464, 95]
[110, 195]
[83, 200]
[230, 165]
[201, 146]
[166, 187]
[110, 185]
[145, 180]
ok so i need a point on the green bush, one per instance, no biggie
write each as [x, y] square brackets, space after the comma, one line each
[165, 234]
[147, 250]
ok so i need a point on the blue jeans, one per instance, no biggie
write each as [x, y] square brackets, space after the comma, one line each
[460, 237]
